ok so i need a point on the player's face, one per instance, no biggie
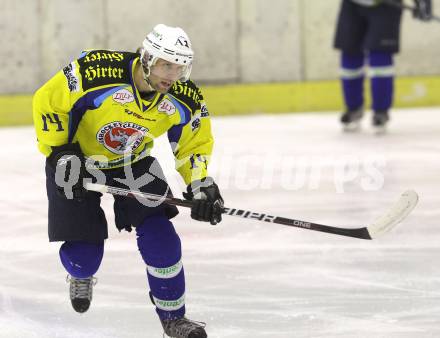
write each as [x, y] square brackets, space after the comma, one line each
[164, 73]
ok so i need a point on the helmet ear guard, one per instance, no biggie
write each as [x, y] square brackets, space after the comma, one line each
[145, 62]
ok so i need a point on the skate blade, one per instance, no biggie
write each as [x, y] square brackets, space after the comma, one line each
[380, 130]
[352, 127]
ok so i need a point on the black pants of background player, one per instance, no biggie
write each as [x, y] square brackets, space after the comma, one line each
[368, 35]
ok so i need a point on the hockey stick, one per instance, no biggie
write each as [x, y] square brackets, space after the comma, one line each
[385, 223]
[404, 6]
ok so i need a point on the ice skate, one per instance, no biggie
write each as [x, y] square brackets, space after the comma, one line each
[184, 328]
[380, 121]
[81, 292]
[351, 120]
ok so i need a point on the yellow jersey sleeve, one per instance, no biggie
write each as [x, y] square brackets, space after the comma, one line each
[191, 140]
[51, 106]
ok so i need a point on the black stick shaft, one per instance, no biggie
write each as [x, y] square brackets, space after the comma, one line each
[361, 233]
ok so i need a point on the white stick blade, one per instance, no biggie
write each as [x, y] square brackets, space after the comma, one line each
[395, 215]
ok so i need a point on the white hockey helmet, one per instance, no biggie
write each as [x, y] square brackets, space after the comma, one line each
[168, 43]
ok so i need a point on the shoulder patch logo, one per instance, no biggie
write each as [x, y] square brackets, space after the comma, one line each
[195, 124]
[167, 107]
[72, 79]
[123, 96]
[204, 110]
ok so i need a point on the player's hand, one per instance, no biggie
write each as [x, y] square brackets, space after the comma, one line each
[422, 10]
[69, 164]
[207, 201]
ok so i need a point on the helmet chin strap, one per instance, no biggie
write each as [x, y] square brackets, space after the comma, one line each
[148, 82]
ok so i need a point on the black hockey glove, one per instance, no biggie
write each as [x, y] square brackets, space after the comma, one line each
[422, 10]
[69, 164]
[207, 201]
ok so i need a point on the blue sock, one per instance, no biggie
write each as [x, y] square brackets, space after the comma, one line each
[382, 80]
[160, 248]
[352, 76]
[81, 259]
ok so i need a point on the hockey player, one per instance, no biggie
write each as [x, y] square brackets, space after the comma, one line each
[96, 120]
[370, 29]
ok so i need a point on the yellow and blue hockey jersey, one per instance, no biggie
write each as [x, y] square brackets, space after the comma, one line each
[94, 101]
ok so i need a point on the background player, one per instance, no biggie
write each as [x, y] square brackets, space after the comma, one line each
[369, 30]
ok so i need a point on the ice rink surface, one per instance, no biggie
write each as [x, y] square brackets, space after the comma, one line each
[249, 279]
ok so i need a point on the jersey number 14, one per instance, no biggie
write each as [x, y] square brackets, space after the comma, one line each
[52, 119]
